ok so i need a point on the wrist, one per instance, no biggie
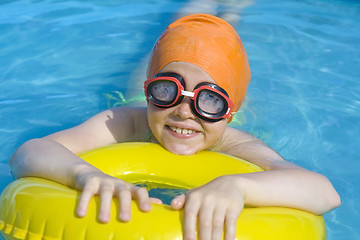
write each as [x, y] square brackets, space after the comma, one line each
[243, 184]
[79, 171]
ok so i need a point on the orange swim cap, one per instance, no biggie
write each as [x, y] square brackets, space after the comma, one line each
[209, 43]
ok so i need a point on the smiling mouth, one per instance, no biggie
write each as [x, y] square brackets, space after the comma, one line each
[181, 130]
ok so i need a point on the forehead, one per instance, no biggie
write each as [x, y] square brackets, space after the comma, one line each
[192, 74]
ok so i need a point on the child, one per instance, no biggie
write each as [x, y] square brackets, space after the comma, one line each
[197, 79]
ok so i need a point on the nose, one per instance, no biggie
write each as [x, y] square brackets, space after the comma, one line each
[183, 110]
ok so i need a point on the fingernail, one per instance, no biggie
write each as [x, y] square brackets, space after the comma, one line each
[146, 207]
[125, 216]
[81, 212]
[104, 217]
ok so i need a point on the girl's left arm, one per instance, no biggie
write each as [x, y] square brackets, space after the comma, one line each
[282, 183]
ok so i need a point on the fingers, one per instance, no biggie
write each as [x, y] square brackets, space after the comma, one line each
[178, 202]
[88, 192]
[206, 221]
[141, 195]
[214, 217]
[230, 226]
[218, 220]
[107, 188]
[124, 198]
[214, 222]
[191, 210]
[106, 195]
[125, 192]
[156, 200]
[231, 218]
[209, 218]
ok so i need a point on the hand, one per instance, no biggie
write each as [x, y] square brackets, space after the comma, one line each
[214, 206]
[97, 182]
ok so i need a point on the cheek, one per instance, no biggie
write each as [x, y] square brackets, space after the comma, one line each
[215, 130]
[156, 118]
[152, 115]
[154, 112]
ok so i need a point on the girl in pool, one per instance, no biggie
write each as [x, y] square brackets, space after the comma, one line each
[197, 79]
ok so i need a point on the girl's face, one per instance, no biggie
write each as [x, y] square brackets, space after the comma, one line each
[177, 128]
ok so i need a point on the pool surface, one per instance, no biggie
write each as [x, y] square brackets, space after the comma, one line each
[63, 61]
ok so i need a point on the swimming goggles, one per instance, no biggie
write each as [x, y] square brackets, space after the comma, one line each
[208, 101]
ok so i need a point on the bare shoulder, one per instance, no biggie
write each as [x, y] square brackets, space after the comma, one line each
[132, 120]
[246, 146]
[233, 134]
[107, 127]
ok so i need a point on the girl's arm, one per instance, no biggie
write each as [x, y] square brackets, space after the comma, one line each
[282, 183]
[216, 206]
[54, 157]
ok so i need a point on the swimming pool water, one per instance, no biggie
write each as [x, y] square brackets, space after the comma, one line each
[61, 60]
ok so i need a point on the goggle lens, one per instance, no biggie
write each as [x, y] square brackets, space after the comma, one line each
[210, 102]
[164, 91]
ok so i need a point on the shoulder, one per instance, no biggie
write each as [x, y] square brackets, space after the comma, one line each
[233, 135]
[110, 126]
[244, 145]
[234, 139]
[123, 111]
[132, 120]
[117, 118]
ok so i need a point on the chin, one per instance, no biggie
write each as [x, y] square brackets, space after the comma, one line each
[181, 149]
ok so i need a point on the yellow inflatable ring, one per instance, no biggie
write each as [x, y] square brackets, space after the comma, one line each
[35, 209]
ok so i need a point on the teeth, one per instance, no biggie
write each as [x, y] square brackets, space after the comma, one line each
[182, 131]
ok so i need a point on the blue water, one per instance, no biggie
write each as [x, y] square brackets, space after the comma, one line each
[60, 61]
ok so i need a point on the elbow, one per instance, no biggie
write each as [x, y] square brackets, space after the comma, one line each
[334, 201]
[330, 204]
[20, 161]
[331, 199]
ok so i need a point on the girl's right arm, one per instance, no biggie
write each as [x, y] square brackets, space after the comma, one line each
[54, 157]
